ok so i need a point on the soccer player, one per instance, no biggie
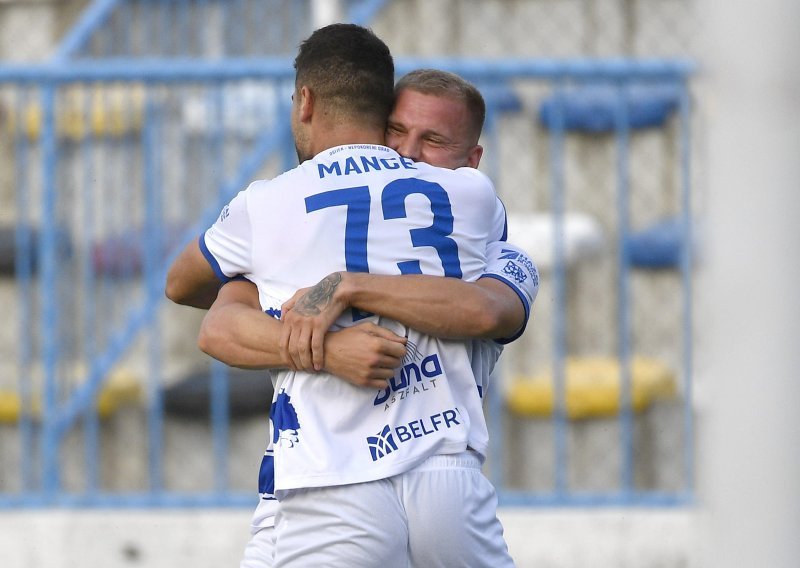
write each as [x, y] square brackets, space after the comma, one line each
[356, 199]
[437, 118]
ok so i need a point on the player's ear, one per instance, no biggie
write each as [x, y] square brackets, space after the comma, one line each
[474, 156]
[306, 103]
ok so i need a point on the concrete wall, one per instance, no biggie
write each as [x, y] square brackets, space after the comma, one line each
[213, 539]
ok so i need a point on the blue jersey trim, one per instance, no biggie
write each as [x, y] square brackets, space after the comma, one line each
[525, 304]
[212, 260]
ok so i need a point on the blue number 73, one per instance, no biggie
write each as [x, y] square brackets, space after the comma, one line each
[393, 202]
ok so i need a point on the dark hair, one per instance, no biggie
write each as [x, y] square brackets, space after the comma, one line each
[448, 85]
[350, 70]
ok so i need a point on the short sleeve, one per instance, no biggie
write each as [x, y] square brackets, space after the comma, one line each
[228, 243]
[512, 266]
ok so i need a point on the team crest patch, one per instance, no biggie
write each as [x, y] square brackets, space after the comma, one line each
[284, 421]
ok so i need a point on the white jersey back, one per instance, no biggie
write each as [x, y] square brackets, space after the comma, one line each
[505, 262]
[363, 208]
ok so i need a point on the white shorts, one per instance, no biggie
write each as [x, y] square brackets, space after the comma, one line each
[260, 549]
[442, 513]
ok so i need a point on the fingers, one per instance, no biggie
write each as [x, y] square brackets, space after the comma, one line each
[317, 347]
[382, 332]
[295, 347]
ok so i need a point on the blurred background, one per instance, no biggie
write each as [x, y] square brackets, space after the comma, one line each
[642, 420]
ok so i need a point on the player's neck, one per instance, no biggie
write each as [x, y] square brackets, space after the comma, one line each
[345, 134]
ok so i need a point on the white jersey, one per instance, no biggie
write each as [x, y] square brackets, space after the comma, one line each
[505, 262]
[363, 208]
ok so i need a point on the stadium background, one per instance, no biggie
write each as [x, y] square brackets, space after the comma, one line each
[125, 124]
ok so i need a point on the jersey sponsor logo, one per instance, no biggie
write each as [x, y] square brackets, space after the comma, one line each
[521, 259]
[515, 272]
[390, 438]
[226, 211]
[382, 444]
[363, 164]
[415, 376]
[284, 421]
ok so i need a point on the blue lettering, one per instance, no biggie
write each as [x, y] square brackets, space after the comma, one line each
[368, 163]
[390, 163]
[401, 383]
[414, 425]
[350, 166]
[411, 367]
[435, 421]
[450, 418]
[424, 430]
[333, 169]
[402, 433]
[407, 164]
[434, 361]
[382, 396]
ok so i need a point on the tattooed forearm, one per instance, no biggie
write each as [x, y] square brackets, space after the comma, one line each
[319, 296]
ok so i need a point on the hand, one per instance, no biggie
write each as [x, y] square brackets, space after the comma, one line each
[365, 355]
[307, 316]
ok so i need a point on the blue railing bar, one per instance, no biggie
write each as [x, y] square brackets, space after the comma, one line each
[219, 424]
[123, 37]
[280, 67]
[363, 13]
[92, 19]
[154, 246]
[23, 259]
[235, 499]
[495, 423]
[48, 293]
[218, 388]
[557, 190]
[687, 258]
[85, 394]
[507, 498]
[166, 27]
[91, 436]
[88, 290]
[104, 500]
[181, 32]
[554, 69]
[623, 287]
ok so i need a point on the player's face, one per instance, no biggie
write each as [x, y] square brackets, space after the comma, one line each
[432, 129]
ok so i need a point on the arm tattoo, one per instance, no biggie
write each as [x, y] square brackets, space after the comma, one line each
[319, 296]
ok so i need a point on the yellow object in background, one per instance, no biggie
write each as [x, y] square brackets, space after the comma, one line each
[593, 388]
[122, 388]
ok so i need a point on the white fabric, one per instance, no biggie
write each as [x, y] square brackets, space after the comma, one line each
[260, 549]
[440, 514]
[505, 262]
[391, 215]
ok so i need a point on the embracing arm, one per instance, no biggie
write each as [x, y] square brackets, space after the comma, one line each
[236, 331]
[442, 307]
[497, 306]
[191, 280]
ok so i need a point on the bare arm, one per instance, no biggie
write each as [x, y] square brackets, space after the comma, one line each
[237, 332]
[442, 307]
[191, 280]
